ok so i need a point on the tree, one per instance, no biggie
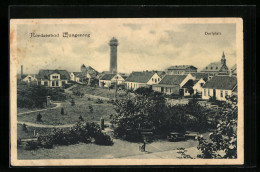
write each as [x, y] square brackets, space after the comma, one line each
[142, 111]
[224, 138]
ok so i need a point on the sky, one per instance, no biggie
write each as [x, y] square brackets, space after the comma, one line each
[151, 45]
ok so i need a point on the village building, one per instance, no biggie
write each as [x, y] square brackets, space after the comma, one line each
[181, 69]
[173, 84]
[53, 78]
[28, 78]
[233, 70]
[217, 68]
[143, 79]
[108, 79]
[219, 87]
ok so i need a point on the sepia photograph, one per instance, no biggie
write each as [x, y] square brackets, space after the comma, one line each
[129, 91]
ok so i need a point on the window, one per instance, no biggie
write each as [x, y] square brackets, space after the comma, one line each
[57, 83]
[205, 93]
[221, 93]
[211, 68]
[201, 84]
[216, 67]
[152, 79]
[155, 80]
[45, 83]
[158, 79]
[226, 93]
[208, 92]
[53, 83]
[54, 77]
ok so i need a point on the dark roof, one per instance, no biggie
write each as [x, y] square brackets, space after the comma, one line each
[45, 73]
[179, 67]
[213, 67]
[172, 79]
[199, 75]
[188, 84]
[195, 81]
[140, 77]
[221, 82]
[161, 74]
[107, 76]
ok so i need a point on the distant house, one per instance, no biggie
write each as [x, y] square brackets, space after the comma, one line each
[28, 78]
[75, 76]
[198, 81]
[53, 78]
[173, 84]
[107, 80]
[181, 69]
[219, 87]
[143, 79]
[217, 68]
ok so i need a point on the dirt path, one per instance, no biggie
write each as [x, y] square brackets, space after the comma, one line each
[96, 97]
[40, 110]
[45, 126]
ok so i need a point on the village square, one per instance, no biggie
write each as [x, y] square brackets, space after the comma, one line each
[172, 113]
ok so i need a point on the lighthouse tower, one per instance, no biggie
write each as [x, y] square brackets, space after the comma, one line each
[113, 55]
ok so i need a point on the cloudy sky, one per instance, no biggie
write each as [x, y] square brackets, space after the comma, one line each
[150, 45]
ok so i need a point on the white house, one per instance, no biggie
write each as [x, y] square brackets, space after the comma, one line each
[219, 87]
[143, 79]
[29, 78]
[198, 84]
[53, 78]
[107, 80]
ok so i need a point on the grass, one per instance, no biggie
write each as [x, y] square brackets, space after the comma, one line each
[30, 131]
[103, 92]
[21, 110]
[72, 113]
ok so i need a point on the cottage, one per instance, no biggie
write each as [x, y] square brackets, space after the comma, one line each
[108, 79]
[28, 78]
[181, 69]
[219, 87]
[75, 76]
[53, 78]
[143, 79]
[217, 68]
[173, 84]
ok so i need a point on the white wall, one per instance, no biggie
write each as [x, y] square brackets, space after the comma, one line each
[197, 87]
[55, 75]
[155, 79]
[218, 94]
[134, 85]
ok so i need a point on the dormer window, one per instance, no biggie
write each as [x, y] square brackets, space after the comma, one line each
[211, 68]
[216, 67]
[206, 67]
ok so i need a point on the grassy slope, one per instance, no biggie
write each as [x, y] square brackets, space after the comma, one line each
[72, 113]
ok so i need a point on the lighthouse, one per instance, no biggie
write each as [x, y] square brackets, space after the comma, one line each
[113, 55]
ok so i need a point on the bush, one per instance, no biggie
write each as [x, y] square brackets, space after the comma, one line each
[90, 108]
[62, 111]
[103, 139]
[99, 101]
[31, 145]
[72, 102]
[25, 128]
[39, 118]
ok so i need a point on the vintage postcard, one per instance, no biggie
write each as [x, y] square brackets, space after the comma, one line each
[131, 91]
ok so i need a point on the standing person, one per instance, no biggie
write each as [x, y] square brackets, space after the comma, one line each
[144, 146]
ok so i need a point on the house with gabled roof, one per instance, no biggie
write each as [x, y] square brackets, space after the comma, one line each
[219, 87]
[217, 68]
[173, 84]
[53, 78]
[108, 79]
[143, 79]
[181, 69]
[233, 70]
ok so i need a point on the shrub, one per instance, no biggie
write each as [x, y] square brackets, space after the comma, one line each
[103, 139]
[62, 111]
[31, 145]
[25, 128]
[39, 118]
[90, 108]
[99, 101]
[81, 118]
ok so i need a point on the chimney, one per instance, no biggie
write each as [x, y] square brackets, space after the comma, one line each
[21, 70]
